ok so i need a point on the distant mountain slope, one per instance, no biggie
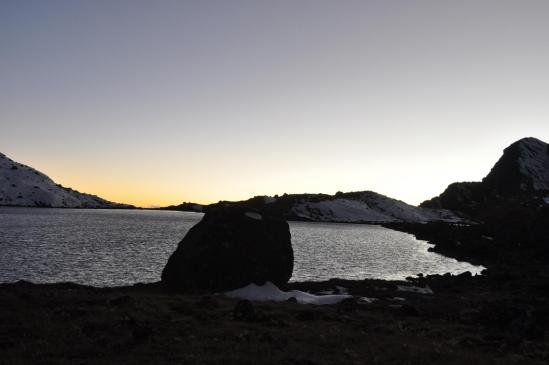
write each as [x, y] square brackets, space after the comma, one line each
[368, 207]
[21, 185]
[353, 207]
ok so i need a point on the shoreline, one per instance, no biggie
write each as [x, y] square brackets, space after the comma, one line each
[481, 319]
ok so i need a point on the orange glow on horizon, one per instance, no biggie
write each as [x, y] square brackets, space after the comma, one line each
[147, 180]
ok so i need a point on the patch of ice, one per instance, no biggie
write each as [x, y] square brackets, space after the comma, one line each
[415, 289]
[271, 292]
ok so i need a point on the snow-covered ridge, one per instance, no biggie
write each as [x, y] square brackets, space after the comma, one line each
[21, 185]
[370, 207]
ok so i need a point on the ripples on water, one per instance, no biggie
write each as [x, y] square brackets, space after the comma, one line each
[121, 247]
[357, 251]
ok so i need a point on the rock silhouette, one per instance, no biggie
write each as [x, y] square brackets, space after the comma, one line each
[519, 177]
[229, 248]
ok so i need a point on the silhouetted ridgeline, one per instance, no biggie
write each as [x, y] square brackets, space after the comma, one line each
[510, 206]
[184, 207]
[512, 201]
[520, 176]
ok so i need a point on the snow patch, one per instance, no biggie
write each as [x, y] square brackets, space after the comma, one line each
[370, 208]
[270, 292]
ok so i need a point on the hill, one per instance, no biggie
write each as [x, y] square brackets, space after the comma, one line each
[24, 186]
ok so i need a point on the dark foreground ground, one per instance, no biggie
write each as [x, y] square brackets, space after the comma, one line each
[494, 319]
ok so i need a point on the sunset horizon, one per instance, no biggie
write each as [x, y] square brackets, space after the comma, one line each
[145, 195]
[155, 104]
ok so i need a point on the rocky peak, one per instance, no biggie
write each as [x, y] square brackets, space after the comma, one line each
[523, 168]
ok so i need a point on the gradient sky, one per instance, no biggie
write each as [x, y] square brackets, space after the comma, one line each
[159, 102]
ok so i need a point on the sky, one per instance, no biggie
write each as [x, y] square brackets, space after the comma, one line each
[159, 102]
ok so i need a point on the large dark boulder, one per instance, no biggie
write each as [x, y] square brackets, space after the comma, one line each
[229, 248]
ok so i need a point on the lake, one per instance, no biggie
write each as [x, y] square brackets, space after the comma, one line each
[122, 247]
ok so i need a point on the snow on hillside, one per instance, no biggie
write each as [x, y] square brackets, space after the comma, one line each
[21, 185]
[372, 208]
[534, 162]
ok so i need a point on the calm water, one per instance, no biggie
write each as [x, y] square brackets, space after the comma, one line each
[120, 247]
